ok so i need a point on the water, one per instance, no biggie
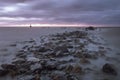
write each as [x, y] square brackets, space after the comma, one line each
[112, 37]
[10, 35]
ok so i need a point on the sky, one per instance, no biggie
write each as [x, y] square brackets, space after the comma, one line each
[60, 12]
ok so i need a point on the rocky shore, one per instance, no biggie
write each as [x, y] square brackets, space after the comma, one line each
[75, 55]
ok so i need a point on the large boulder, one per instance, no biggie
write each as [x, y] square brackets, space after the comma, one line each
[3, 72]
[9, 67]
[90, 28]
[109, 69]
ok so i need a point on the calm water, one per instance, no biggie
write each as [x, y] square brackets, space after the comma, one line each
[9, 35]
[112, 37]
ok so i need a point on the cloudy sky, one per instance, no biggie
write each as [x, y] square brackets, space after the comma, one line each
[84, 12]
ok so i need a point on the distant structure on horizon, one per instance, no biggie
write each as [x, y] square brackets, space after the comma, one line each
[30, 25]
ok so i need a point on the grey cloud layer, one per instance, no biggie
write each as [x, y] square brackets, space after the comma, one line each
[65, 11]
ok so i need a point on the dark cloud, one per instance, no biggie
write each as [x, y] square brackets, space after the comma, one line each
[12, 1]
[98, 12]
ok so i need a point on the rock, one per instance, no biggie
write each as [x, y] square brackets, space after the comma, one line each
[19, 61]
[84, 61]
[109, 69]
[12, 69]
[21, 55]
[38, 70]
[43, 49]
[3, 72]
[79, 34]
[33, 59]
[82, 55]
[71, 77]
[36, 66]
[13, 45]
[9, 67]
[4, 49]
[70, 46]
[90, 28]
[77, 69]
[78, 54]
[60, 54]
[73, 69]
[62, 49]
[58, 76]
[50, 66]
[88, 70]
[45, 77]
[24, 69]
[31, 41]
[86, 55]
[37, 77]
[69, 68]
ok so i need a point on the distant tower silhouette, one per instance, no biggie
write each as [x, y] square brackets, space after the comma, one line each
[30, 25]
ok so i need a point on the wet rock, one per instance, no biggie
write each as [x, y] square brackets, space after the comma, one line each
[83, 55]
[38, 71]
[43, 49]
[60, 54]
[22, 71]
[13, 45]
[90, 28]
[23, 67]
[37, 68]
[3, 72]
[31, 41]
[73, 69]
[77, 69]
[71, 77]
[37, 77]
[87, 70]
[19, 61]
[21, 55]
[84, 61]
[4, 49]
[45, 77]
[69, 68]
[50, 66]
[109, 69]
[79, 34]
[70, 46]
[58, 76]
[78, 54]
[9, 67]
[12, 69]
[62, 49]
[86, 55]
[33, 59]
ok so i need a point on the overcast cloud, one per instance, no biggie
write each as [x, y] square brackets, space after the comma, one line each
[97, 12]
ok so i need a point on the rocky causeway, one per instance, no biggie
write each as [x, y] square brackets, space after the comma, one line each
[71, 55]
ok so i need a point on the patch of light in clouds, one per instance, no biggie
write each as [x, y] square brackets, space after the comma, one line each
[9, 9]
